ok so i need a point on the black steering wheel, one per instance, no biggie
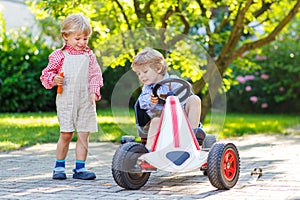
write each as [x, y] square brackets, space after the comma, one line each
[182, 88]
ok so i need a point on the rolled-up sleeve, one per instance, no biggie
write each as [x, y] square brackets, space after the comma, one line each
[144, 98]
[53, 68]
[95, 76]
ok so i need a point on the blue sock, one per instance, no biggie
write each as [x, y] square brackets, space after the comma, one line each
[60, 163]
[80, 164]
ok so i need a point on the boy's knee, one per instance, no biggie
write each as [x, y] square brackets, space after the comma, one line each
[65, 136]
[194, 99]
[155, 120]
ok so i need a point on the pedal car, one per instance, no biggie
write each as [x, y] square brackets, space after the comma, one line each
[175, 147]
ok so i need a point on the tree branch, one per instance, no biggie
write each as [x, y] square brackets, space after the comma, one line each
[264, 8]
[225, 21]
[227, 50]
[147, 7]
[165, 18]
[124, 14]
[272, 36]
[203, 11]
[202, 8]
[185, 31]
[138, 10]
[164, 25]
[236, 32]
[211, 47]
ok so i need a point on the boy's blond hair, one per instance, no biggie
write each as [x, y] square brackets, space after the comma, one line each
[76, 23]
[149, 57]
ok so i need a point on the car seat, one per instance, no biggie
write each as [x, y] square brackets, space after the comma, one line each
[142, 119]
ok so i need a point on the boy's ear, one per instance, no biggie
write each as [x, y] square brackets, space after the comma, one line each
[65, 36]
[159, 70]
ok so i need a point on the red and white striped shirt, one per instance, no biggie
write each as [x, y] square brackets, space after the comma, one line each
[55, 64]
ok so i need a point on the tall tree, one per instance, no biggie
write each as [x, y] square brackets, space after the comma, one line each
[227, 29]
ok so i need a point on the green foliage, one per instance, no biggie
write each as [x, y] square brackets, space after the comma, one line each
[283, 66]
[226, 29]
[111, 77]
[270, 80]
[121, 28]
[119, 31]
[23, 56]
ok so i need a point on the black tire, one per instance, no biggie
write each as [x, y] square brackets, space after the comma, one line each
[209, 141]
[127, 138]
[223, 165]
[125, 171]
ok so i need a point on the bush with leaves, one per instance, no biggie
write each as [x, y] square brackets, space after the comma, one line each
[111, 76]
[22, 58]
[271, 82]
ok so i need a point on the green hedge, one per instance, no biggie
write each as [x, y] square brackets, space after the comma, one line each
[272, 87]
[22, 58]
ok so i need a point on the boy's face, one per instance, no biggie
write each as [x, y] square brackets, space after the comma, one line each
[77, 41]
[148, 75]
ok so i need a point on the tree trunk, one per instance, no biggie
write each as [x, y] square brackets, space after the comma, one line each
[213, 78]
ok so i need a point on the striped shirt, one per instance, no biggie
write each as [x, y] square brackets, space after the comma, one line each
[145, 98]
[55, 64]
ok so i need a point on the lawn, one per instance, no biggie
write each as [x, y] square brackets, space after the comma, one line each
[25, 129]
[241, 124]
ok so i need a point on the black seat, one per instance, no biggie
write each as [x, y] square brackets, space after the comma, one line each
[141, 118]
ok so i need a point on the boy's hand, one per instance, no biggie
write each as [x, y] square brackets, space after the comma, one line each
[93, 98]
[58, 80]
[154, 99]
[163, 96]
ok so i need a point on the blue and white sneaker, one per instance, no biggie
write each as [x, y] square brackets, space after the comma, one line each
[59, 173]
[83, 174]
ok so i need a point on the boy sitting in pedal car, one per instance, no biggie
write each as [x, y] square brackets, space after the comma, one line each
[151, 67]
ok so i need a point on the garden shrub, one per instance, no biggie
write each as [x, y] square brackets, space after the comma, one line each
[110, 78]
[23, 56]
[271, 84]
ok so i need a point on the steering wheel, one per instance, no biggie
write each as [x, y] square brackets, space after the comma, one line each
[182, 88]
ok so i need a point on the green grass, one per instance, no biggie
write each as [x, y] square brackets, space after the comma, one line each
[26, 129]
[242, 124]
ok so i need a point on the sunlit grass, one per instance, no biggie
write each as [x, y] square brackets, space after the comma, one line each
[26, 129]
[240, 124]
[9, 146]
[29, 121]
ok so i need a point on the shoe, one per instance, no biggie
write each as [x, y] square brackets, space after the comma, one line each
[83, 174]
[200, 135]
[59, 173]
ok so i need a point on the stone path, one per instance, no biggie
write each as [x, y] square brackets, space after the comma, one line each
[26, 174]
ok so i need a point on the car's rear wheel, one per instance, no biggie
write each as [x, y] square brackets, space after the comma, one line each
[223, 165]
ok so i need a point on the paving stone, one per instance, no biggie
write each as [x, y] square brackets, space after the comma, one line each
[26, 174]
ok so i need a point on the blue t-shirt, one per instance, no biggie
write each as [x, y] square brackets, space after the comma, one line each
[145, 99]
